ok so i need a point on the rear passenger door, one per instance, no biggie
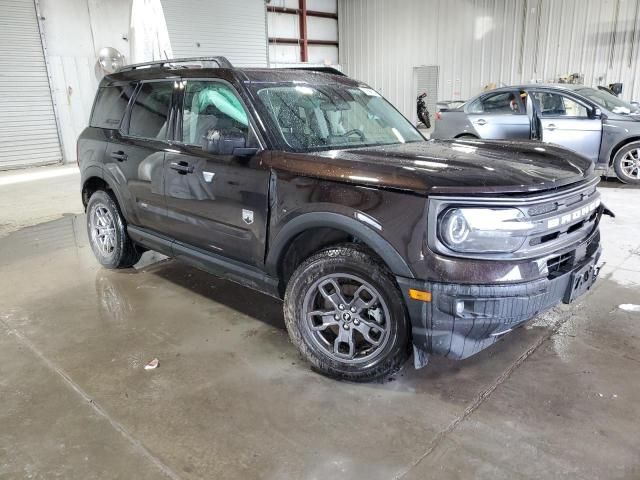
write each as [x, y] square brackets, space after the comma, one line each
[217, 203]
[135, 154]
[500, 116]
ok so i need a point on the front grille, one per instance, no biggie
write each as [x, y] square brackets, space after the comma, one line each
[560, 219]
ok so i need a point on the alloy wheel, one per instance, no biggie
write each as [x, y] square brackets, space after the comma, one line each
[630, 163]
[103, 229]
[347, 318]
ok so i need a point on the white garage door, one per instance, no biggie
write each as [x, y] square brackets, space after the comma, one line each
[28, 131]
[235, 29]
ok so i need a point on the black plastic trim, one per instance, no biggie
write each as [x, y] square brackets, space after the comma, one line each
[372, 239]
[215, 264]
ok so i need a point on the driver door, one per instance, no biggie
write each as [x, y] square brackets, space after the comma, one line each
[216, 203]
[566, 122]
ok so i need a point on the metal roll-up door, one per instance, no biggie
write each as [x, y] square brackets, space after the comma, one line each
[232, 28]
[28, 130]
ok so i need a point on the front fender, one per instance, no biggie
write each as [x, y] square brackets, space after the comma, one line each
[356, 225]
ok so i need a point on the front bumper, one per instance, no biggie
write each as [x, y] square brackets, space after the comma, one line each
[461, 320]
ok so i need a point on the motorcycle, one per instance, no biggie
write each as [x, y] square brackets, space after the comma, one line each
[423, 112]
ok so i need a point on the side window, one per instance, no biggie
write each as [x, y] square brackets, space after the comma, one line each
[504, 102]
[210, 105]
[556, 105]
[150, 111]
[111, 103]
[475, 107]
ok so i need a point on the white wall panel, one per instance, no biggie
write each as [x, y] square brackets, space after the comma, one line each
[476, 42]
[232, 28]
[330, 6]
[74, 31]
[319, 28]
[283, 25]
[323, 54]
[284, 3]
[284, 53]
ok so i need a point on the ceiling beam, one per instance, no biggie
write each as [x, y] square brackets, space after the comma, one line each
[296, 11]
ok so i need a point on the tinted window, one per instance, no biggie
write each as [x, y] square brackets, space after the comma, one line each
[209, 106]
[111, 104]
[150, 111]
[506, 102]
[555, 105]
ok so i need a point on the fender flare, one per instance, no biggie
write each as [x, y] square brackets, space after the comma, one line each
[95, 172]
[369, 237]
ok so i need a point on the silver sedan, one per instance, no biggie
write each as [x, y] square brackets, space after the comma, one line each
[589, 121]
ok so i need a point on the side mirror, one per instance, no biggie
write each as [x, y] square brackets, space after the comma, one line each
[597, 113]
[227, 142]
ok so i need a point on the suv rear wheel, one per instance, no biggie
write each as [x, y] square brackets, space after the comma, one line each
[346, 316]
[626, 163]
[108, 234]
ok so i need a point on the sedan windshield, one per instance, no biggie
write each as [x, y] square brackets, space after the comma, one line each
[608, 101]
[324, 117]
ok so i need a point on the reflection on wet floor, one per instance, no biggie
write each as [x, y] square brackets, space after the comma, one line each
[231, 398]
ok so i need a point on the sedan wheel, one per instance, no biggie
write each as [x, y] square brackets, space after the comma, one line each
[630, 164]
[626, 163]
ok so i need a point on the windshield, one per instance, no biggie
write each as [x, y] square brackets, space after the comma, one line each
[323, 117]
[608, 101]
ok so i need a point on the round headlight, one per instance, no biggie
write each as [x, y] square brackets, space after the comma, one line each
[456, 229]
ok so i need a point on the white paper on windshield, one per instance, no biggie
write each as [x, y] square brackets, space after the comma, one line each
[369, 91]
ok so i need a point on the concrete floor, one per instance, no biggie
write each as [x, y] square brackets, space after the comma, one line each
[36, 195]
[232, 400]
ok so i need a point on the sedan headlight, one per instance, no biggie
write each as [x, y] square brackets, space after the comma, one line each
[483, 230]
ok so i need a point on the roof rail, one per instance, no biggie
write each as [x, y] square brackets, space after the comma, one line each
[312, 68]
[221, 61]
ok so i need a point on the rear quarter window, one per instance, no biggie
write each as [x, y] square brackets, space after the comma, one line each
[111, 103]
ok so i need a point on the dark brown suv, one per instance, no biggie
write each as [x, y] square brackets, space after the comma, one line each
[309, 186]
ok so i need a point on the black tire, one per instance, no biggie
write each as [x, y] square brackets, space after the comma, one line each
[348, 263]
[626, 163]
[118, 251]
[467, 136]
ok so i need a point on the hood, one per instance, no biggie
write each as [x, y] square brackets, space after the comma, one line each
[445, 166]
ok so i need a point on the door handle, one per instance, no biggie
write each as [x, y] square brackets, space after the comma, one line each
[181, 167]
[482, 121]
[119, 155]
[551, 126]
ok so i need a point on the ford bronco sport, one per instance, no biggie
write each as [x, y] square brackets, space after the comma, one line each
[311, 187]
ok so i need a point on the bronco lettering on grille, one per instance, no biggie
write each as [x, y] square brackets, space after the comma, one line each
[573, 216]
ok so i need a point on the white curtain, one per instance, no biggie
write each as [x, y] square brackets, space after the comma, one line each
[148, 36]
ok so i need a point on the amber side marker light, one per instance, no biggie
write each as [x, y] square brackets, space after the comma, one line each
[420, 295]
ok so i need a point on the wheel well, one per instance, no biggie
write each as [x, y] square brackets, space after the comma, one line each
[91, 186]
[617, 148]
[465, 135]
[308, 242]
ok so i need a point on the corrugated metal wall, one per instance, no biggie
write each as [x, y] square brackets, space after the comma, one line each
[477, 42]
[235, 29]
[28, 131]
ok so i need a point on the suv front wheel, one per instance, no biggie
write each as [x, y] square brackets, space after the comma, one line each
[108, 233]
[346, 316]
